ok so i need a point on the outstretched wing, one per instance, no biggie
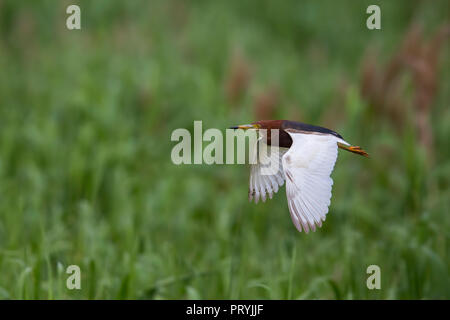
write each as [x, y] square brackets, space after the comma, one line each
[266, 174]
[307, 168]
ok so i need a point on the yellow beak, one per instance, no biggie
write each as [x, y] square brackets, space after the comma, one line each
[246, 126]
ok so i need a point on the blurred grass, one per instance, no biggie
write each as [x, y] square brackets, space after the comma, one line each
[86, 176]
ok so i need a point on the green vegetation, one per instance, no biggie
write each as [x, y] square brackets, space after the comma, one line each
[86, 177]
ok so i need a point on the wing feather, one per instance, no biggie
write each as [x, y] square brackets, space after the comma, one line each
[266, 175]
[307, 167]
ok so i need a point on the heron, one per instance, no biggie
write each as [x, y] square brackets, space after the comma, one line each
[305, 156]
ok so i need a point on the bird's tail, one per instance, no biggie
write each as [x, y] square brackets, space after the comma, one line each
[354, 149]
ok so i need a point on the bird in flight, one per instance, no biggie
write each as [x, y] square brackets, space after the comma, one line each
[304, 156]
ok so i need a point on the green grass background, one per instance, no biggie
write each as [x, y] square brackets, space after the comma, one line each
[86, 176]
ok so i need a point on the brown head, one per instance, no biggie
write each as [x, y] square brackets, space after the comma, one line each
[284, 138]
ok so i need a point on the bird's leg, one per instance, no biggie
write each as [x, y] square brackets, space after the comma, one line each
[354, 149]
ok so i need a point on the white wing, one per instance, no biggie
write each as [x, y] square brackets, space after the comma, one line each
[266, 175]
[307, 167]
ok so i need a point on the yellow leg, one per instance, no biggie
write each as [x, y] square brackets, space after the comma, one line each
[354, 149]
